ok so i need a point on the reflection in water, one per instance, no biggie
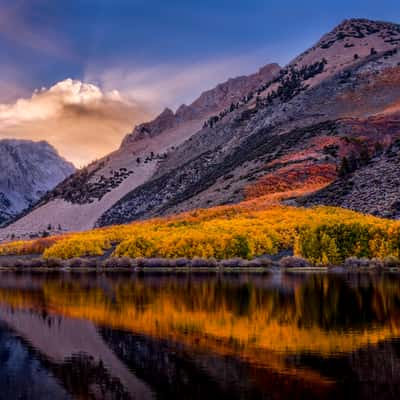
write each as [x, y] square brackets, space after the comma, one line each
[22, 375]
[186, 337]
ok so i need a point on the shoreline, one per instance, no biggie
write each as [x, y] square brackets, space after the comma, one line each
[187, 270]
[282, 262]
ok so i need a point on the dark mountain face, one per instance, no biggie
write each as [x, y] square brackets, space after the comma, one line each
[27, 171]
[371, 187]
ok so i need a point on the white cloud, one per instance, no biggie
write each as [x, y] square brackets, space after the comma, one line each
[48, 103]
[80, 119]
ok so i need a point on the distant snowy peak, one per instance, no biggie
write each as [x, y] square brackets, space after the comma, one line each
[27, 171]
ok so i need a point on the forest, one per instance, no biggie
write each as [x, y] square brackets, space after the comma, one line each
[321, 235]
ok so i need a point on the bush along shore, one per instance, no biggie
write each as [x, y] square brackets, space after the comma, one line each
[241, 236]
[287, 263]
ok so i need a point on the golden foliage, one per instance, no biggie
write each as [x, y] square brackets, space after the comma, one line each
[78, 246]
[321, 234]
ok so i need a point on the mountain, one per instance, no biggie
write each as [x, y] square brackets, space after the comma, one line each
[278, 135]
[27, 171]
[79, 201]
[338, 99]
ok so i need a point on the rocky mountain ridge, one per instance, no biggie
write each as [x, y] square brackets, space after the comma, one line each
[212, 101]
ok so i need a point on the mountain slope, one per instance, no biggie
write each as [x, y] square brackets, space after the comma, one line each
[27, 171]
[293, 136]
[273, 136]
[373, 187]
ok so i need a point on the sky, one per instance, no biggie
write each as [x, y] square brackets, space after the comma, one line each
[82, 73]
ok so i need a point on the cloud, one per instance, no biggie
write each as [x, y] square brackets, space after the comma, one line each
[80, 119]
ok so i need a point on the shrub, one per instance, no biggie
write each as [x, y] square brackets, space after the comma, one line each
[265, 262]
[354, 262]
[119, 262]
[77, 263]
[294, 262]
[351, 262]
[181, 262]
[136, 247]
[191, 245]
[83, 246]
[391, 262]
[111, 262]
[53, 262]
[156, 263]
[198, 262]
[19, 263]
[37, 246]
[126, 262]
[234, 263]
[36, 263]
[140, 262]
[376, 263]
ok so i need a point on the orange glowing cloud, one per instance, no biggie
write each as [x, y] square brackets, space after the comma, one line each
[81, 120]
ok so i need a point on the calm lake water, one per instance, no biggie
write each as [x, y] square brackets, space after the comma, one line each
[271, 336]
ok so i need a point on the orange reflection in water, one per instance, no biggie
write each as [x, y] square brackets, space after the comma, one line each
[255, 320]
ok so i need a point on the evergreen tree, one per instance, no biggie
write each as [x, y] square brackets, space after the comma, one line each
[364, 156]
[344, 168]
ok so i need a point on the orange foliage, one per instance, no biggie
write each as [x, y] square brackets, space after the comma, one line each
[311, 149]
[34, 246]
[296, 176]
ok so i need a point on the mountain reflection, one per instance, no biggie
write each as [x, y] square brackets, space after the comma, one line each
[239, 337]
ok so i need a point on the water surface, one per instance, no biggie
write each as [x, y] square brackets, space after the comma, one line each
[265, 336]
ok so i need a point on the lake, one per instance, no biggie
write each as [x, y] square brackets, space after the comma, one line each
[87, 335]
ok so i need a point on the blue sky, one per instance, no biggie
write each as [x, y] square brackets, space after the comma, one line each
[44, 41]
[151, 53]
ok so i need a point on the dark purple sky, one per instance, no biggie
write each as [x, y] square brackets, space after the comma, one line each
[45, 41]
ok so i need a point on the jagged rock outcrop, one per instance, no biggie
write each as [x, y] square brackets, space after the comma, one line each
[27, 171]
